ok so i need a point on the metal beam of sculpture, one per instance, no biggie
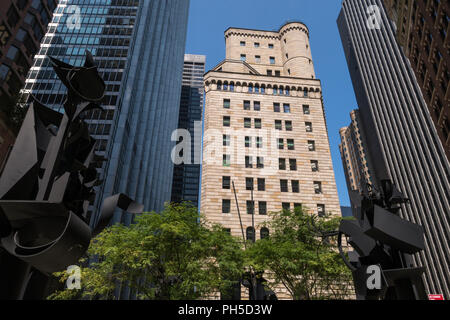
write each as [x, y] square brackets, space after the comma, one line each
[50, 178]
[382, 239]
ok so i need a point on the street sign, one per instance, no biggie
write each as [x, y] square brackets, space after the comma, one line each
[436, 297]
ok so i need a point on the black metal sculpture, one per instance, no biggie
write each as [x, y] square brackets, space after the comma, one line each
[50, 176]
[381, 238]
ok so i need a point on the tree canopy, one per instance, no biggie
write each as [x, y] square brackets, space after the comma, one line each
[301, 258]
[172, 255]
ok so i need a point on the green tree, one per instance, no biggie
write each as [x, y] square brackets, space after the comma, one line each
[173, 255]
[297, 256]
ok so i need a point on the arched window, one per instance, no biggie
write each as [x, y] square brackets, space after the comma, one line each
[257, 88]
[264, 233]
[251, 234]
[225, 86]
[288, 92]
[219, 85]
[250, 88]
[263, 89]
[305, 92]
[231, 86]
[275, 90]
[280, 91]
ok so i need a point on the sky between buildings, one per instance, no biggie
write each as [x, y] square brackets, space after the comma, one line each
[210, 18]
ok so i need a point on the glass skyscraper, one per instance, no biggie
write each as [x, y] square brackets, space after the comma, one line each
[138, 46]
[186, 177]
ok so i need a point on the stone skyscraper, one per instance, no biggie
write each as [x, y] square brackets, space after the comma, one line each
[355, 158]
[139, 48]
[23, 23]
[186, 176]
[265, 130]
[402, 139]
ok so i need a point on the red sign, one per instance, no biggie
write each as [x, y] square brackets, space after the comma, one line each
[435, 297]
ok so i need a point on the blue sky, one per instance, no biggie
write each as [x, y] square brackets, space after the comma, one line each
[210, 18]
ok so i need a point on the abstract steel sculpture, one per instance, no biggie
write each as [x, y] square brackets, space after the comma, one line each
[381, 238]
[50, 176]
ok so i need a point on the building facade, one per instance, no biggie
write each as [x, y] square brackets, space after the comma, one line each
[186, 176]
[138, 47]
[23, 23]
[265, 132]
[355, 158]
[402, 139]
[422, 29]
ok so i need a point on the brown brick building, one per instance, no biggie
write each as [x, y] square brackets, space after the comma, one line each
[23, 23]
[422, 31]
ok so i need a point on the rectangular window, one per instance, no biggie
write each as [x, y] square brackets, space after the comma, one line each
[226, 103]
[226, 160]
[269, 72]
[247, 123]
[257, 106]
[226, 140]
[243, 57]
[226, 206]
[297, 206]
[248, 162]
[314, 165]
[305, 93]
[290, 144]
[248, 142]
[321, 210]
[242, 43]
[259, 142]
[226, 121]
[226, 182]
[258, 124]
[278, 125]
[280, 144]
[276, 107]
[256, 44]
[286, 206]
[277, 73]
[287, 108]
[284, 186]
[246, 105]
[293, 164]
[263, 208]
[282, 164]
[272, 60]
[295, 186]
[260, 162]
[311, 145]
[308, 126]
[257, 59]
[249, 184]
[306, 109]
[317, 187]
[288, 125]
[250, 207]
[270, 45]
[261, 184]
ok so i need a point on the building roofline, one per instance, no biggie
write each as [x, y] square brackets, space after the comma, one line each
[260, 30]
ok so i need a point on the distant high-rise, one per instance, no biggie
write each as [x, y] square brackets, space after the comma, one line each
[355, 158]
[138, 46]
[402, 139]
[22, 25]
[422, 29]
[186, 177]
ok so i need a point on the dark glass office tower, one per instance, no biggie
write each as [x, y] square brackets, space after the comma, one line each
[401, 137]
[186, 177]
[139, 48]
